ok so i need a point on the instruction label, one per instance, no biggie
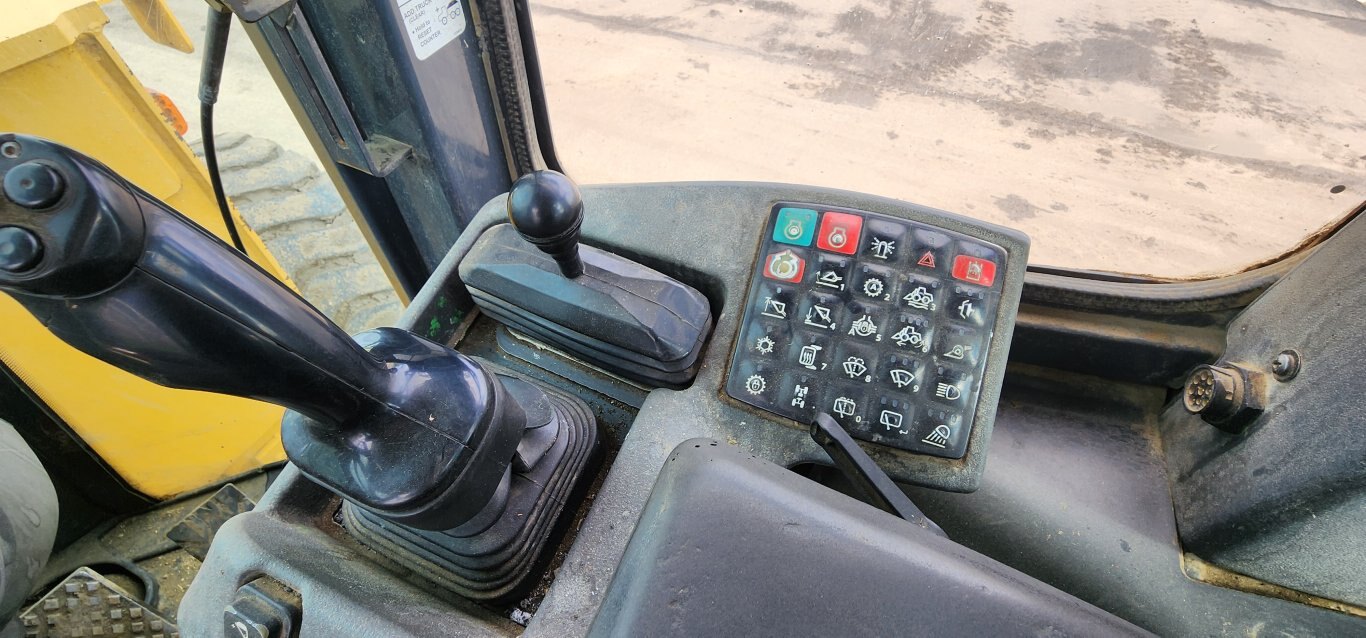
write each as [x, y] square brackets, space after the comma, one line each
[431, 24]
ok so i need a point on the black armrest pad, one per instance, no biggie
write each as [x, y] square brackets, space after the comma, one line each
[733, 545]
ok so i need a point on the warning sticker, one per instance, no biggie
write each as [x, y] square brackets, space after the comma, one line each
[431, 24]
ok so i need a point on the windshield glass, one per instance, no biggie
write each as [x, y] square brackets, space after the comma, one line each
[1175, 138]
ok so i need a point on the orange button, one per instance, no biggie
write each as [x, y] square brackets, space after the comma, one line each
[974, 270]
[839, 233]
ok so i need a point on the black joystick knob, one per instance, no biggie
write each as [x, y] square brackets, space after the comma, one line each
[19, 249]
[34, 185]
[547, 210]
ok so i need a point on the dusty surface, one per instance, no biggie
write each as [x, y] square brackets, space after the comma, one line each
[1167, 137]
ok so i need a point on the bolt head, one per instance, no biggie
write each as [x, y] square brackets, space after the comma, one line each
[1286, 365]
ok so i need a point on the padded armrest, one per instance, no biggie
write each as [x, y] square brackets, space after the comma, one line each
[731, 545]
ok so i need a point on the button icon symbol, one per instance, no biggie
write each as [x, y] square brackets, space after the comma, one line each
[939, 436]
[882, 248]
[902, 378]
[793, 230]
[755, 384]
[774, 308]
[784, 266]
[958, 351]
[926, 260]
[920, 298]
[830, 279]
[966, 310]
[892, 421]
[863, 327]
[807, 357]
[764, 345]
[947, 391]
[819, 317]
[799, 392]
[873, 287]
[975, 270]
[838, 237]
[909, 336]
[844, 406]
[855, 367]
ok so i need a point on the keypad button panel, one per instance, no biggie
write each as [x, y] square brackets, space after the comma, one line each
[884, 323]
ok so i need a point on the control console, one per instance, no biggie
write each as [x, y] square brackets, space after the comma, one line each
[887, 324]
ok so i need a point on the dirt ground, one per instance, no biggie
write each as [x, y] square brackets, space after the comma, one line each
[1172, 137]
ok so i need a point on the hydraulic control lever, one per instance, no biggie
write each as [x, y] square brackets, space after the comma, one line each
[402, 426]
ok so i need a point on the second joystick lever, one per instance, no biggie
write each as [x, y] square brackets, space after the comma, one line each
[602, 308]
[547, 210]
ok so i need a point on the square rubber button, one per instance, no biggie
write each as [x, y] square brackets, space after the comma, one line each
[795, 226]
[839, 233]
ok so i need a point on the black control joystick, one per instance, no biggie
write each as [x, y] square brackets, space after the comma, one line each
[547, 210]
[417, 438]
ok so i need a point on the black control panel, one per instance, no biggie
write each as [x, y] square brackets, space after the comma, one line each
[883, 323]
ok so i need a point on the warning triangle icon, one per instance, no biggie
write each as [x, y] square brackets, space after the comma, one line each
[927, 260]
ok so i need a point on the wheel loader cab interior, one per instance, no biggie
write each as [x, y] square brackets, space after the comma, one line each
[704, 408]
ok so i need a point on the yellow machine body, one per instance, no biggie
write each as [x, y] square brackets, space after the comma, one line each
[61, 79]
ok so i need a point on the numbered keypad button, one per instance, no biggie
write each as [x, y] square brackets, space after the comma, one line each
[900, 374]
[920, 294]
[830, 273]
[855, 362]
[864, 322]
[811, 351]
[874, 284]
[846, 403]
[821, 311]
[911, 333]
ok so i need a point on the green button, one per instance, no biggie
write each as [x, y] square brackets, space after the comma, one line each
[795, 226]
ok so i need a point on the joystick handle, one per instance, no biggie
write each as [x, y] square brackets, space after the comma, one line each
[403, 426]
[547, 210]
[122, 277]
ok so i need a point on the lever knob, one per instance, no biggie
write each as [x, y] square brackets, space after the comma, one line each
[546, 208]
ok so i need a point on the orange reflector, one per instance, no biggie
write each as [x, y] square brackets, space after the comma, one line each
[169, 112]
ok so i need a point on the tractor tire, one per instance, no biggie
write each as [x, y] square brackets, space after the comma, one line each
[296, 211]
[28, 524]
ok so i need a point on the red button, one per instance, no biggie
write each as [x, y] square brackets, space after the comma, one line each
[839, 233]
[974, 270]
[785, 266]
